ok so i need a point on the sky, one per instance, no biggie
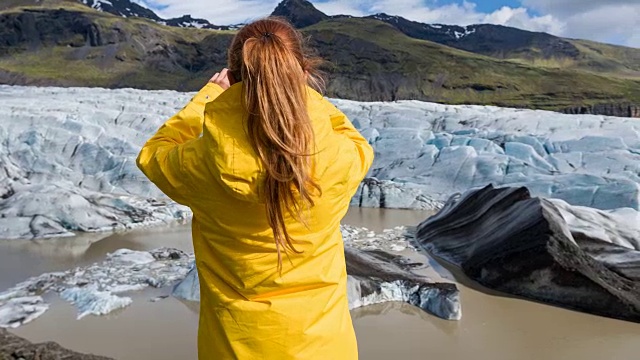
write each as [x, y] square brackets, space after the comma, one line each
[611, 21]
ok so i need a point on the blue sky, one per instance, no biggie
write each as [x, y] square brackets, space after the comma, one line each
[492, 5]
[613, 21]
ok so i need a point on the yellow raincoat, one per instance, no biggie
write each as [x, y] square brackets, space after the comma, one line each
[202, 158]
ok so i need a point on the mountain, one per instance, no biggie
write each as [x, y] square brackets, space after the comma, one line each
[300, 13]
[66, 43]
[124, 8]
[486, 39]
[535, 48]
[127, 9]
[502, 42]
[187, 21]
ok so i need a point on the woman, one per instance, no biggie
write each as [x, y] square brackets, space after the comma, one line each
[268, 167]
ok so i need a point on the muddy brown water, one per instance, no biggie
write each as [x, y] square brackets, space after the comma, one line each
[492, 327]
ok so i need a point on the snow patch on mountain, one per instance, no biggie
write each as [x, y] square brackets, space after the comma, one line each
[141, 9]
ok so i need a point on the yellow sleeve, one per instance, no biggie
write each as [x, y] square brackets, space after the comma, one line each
[167, 157]
[363, 151]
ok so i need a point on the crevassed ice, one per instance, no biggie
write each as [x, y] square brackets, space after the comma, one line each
[68, 157]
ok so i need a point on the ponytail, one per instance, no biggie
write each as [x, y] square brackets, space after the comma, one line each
[275, 73]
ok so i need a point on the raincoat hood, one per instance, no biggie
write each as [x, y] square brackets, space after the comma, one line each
[234, 160]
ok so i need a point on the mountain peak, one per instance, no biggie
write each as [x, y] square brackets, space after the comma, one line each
[128, 8]
[300, 13]
[124, 8]
[189, 21]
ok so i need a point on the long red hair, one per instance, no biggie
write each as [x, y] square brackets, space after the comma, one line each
[270, 58]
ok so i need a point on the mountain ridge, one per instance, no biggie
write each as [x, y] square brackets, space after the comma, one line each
[127, 8]
[371, 59]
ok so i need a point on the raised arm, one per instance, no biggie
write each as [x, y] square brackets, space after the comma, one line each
[164, 159]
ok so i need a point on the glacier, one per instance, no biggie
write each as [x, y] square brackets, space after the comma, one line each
[67, 160]
[437, 150]
[67, 165]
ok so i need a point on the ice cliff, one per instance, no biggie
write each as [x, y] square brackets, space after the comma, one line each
[67, 157]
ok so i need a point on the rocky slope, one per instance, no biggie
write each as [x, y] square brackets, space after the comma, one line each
[101, 49]
[299, 13]
[15, 348]
[487, 39]
[621, 110]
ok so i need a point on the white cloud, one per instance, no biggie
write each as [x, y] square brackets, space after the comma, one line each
[458, 14]
[571, 7]
[219, 12]
[601, 20]
[410, 9]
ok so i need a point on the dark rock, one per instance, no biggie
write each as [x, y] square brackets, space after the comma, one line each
[13, 347]
[168, 254]
[300, 13]
[510, 242]
[610, 109]
[34, 29]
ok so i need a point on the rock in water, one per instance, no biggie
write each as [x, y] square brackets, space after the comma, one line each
[508, 241]
[374, 277]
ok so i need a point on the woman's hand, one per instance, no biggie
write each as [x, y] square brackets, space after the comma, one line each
[223, 78]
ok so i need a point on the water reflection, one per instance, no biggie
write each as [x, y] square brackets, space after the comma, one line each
[380, 219]
[21, 259]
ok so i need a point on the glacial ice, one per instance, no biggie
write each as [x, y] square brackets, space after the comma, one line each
[67, 157]
[91, 301]
[19, 311]
[618, 226]
[67, 161]
[438, 150]
[95, 289]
